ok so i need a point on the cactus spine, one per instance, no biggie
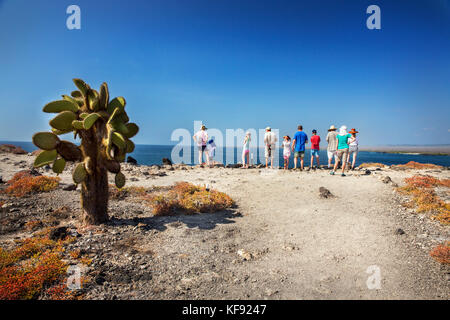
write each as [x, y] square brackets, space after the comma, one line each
[105, 136]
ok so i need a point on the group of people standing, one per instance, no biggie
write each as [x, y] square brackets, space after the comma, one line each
[341, 146]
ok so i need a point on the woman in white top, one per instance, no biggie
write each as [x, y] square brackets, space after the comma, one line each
[352, 147]
[201, 137]
[286, 151]
[246, 150]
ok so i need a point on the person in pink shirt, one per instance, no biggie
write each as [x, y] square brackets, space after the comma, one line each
[315, 141]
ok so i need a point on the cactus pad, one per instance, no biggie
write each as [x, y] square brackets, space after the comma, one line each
[120, 180]
[45, 157]
[79, 174]
[45, 140]
[69, 151]
[63, 121]
[59, 165]
[61, 105]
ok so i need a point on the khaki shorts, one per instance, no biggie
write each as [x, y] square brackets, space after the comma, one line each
[342, 152]
[268, 152]
[299, 154]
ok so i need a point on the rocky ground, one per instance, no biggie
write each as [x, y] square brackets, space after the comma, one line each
[292, 235]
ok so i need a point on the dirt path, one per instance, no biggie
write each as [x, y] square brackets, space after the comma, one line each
[306, 247]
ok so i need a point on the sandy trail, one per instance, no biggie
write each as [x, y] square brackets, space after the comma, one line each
[322, 248]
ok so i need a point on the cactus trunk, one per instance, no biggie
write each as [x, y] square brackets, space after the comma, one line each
[94, 188]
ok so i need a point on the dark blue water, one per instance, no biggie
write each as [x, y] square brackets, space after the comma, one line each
[153, 154]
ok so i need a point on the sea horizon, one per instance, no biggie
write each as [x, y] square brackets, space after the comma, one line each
[152, 154]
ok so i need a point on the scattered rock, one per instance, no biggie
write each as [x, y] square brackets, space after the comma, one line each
[386, 179]
[1, 179]
[166, 161]
[234, 166]
[244, 254]
[367, 172]
[100, 279]
[270, 292]
[58, 233]
[325, 193]
[131, 160]
[70, 187]
[399, 232]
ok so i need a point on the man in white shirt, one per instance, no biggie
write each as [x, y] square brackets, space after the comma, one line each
[201, 138]
[270, 140]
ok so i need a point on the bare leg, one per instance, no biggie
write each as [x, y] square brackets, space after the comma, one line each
[344, 164]
[354, 159]
[271, 161]
[336, 163]
[318, 161]
[295, 162]
[312, 162]
[200, 153]
[302, 162]
[267, 162]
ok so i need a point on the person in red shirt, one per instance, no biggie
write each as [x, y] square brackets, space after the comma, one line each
[315, 141]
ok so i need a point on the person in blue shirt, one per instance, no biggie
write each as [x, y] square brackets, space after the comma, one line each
[298, 146]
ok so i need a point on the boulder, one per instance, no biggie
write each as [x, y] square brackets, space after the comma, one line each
[70, 187]
[12, 149]
[235, 165]
[166, 161]
[132, 160]
[386, 179]
[325, 193]
[58, 233]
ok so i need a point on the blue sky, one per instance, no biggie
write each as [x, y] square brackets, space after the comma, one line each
[235, 64]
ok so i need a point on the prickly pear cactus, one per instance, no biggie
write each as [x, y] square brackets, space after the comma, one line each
[105, 133]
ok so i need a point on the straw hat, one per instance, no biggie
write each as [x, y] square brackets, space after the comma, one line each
[332, 128]
[353, 131]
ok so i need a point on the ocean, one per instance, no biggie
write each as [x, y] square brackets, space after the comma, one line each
[153, 154]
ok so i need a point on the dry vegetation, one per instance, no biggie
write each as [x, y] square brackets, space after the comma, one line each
[34, 269]
[417, 166]
[424, 197]
[371, 165]
[120, 194]
[24, 183]
[188, 198]
[441, 253]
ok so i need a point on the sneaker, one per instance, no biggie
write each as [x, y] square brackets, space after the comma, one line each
[343, 175]
[332, 173]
